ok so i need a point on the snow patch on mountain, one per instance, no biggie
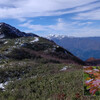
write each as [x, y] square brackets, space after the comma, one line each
[64, 68]
[2, 85]
[56, 36]
[6, 42]
[35, 40]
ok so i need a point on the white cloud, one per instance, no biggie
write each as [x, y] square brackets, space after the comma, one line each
[82, 23]
[21, 9]
[76, 28]
[59, 26]
[91, 15]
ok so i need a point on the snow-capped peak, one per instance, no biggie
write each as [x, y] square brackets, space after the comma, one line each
[56, 36]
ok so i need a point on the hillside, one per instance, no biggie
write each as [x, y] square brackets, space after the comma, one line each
[16, 44]
[92, 61]
[8, 31]
[84, 47]
[35, 68]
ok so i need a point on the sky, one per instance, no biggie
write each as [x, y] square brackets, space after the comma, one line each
[79, 18]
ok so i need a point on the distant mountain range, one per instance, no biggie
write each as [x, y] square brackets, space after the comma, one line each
[82, 47]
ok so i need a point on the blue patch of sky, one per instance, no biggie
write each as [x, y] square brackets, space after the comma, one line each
[49, 20]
